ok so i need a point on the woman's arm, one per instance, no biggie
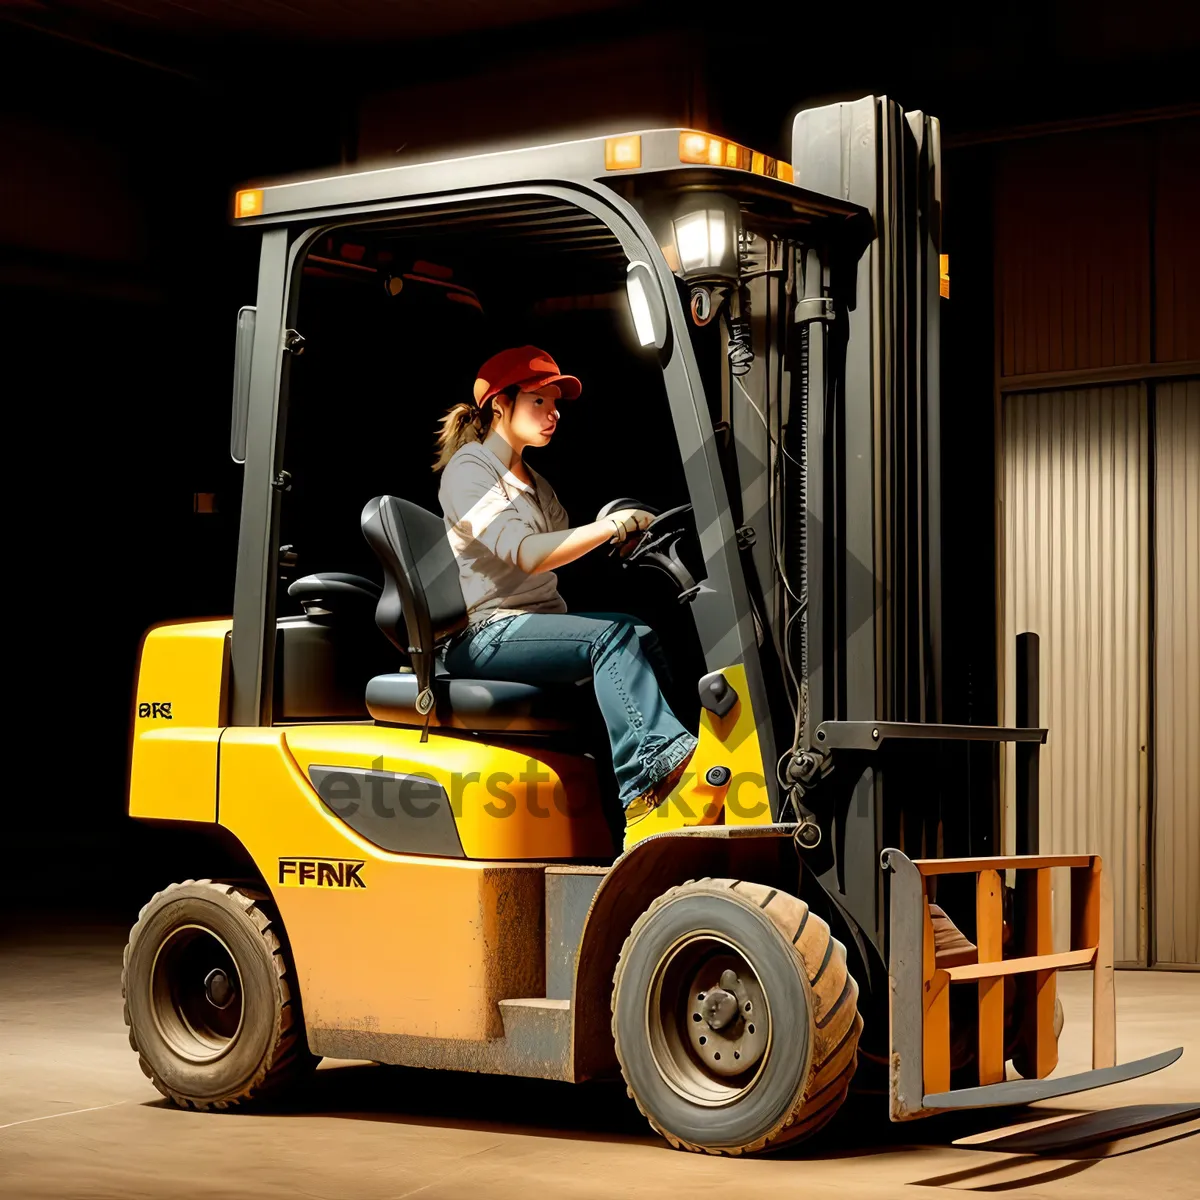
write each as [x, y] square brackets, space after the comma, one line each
[541, 552]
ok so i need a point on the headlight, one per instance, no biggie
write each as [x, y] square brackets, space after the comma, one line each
[699, 237]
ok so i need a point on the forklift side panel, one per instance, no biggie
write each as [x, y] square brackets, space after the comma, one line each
[383, 944]
[179, 709]
[507, 802]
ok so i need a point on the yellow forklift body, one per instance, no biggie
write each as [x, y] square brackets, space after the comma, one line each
[395, 944]
[736, 791]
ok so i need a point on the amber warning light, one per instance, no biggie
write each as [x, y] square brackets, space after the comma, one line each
[944, 276]
[704, 148]
[248, 203]
[623, 153]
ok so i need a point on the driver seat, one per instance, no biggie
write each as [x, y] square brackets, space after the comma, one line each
[420, 609]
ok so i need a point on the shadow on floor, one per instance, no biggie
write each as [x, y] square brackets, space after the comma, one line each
[602, 1111]
[1070, 1145]
[1090, 1134]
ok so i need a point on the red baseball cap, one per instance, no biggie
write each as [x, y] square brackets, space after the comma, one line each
[526, 367]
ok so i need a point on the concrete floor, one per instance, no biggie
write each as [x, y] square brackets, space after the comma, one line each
[78, 1119]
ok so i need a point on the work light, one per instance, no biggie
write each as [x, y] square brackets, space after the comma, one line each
[699, 237]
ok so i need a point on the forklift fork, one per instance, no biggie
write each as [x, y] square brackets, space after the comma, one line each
[919, 990]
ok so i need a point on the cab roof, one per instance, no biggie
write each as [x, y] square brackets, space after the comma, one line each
[681, 157]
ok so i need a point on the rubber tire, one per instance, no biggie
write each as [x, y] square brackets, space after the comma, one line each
[803, 970]
[270, 1050]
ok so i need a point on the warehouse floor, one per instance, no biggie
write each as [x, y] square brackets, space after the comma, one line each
[78, 1119]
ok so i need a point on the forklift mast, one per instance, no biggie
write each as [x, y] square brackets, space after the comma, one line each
[874, 507]
[871, 541]
[872, 530]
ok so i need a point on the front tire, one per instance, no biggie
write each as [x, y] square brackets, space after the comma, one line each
[209, 997]
[735, 1017]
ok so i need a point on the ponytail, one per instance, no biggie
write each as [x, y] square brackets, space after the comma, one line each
[461, 425]
[466, 423]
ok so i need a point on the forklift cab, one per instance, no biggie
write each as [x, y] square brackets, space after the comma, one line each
[677, 275]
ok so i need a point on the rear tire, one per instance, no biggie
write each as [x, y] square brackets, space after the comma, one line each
[209, 997]
[695, 947]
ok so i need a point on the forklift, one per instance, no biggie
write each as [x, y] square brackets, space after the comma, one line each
[412, 869]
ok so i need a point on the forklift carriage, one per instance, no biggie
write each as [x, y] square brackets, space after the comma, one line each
[414, 869]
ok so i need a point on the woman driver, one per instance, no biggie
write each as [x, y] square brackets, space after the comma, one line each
[509, 533]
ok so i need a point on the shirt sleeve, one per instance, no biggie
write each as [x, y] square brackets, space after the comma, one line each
[477, 509]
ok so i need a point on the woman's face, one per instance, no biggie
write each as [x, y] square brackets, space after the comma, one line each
[533, 416]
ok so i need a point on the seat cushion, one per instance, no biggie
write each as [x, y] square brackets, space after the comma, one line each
[480, 704]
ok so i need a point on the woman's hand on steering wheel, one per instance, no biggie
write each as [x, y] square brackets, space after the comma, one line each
[627, 521]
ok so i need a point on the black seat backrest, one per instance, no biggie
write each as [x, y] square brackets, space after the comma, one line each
[422, 601]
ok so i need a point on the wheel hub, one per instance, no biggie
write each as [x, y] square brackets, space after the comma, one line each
[195, 994]
[727, 1024]
[719, 1007]
[219, 989]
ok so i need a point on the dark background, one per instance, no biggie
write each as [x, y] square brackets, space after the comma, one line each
[125, 128]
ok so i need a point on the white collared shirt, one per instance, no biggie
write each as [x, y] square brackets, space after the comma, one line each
[489, 512]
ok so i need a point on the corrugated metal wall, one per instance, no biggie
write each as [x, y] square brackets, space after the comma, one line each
[1097, 284]
[1177, 672]
[1076, 556]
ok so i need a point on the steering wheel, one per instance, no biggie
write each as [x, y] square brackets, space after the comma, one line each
[624, 502]
[658, 544]
[637, 536]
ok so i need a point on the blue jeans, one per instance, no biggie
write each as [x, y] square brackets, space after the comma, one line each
[618, 654]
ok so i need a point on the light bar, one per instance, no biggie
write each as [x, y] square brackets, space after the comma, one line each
[625, 152]
[705, 149]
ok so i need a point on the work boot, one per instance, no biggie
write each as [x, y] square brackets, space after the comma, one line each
[653, 796]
